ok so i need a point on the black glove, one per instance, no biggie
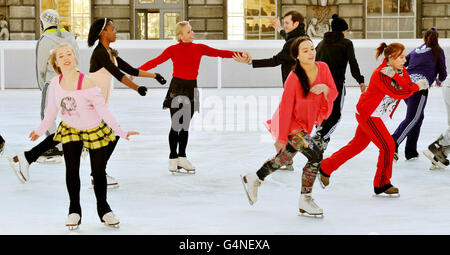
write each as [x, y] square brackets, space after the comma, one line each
[160, 79]
[142, 90]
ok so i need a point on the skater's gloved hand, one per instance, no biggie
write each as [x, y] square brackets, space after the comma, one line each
[160, 79]
[142, 90]
[423, 84]
[388, 71]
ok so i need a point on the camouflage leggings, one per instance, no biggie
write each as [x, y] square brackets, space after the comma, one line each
[300, 142]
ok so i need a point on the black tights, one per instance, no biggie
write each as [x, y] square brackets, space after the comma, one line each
[98, 157]
[179, 133]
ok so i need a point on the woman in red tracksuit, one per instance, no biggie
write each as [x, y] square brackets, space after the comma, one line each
[389, 84]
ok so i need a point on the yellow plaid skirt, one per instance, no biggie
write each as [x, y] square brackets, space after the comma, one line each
[93, 138]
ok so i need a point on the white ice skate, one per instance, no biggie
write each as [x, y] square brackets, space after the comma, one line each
[111, 182]
[323, 180]
[173, 165]
[49, 159]
[184, 163]
[251, 184]
[306, 205]
[73, 221]
[111, 220]
[436, 164]
[21, 167]
[84, 153]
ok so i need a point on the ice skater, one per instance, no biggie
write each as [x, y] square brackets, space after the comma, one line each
[388, 84]
[294, 27]
[86, 122]
[337, 51]
[182, 97]
[307, 100]
[102, 69]
[424, 62]
[2, 145]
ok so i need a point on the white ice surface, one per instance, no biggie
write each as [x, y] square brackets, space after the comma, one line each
[152, 201]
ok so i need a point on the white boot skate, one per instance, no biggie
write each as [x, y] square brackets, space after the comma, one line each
[21, 167]
[186, 165]
[73, 221]
[306, 205]
[52, 156]
[111, 220]
[251, 184]
[173, 165]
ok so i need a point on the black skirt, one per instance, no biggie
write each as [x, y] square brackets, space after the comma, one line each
[184, 92]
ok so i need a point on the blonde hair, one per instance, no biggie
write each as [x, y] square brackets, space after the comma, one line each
[179, 28]
[53, 56]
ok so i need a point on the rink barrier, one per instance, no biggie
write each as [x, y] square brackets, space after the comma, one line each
[17, 62]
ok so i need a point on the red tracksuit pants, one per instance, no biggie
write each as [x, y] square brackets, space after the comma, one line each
[370, 129]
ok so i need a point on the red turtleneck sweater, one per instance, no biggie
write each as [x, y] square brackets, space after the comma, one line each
[186, 58]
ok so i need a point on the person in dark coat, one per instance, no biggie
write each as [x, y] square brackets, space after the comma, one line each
[337, 51]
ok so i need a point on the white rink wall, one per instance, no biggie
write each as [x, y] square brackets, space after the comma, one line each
[17, 61]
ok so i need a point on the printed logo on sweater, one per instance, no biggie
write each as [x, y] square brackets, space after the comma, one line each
[69, 106]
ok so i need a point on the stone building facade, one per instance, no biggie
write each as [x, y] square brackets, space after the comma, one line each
[209, 17]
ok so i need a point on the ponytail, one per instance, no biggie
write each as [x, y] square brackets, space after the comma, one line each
[380, 49]
[431, 40]
[394, 50]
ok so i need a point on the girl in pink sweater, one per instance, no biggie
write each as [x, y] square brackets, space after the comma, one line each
[86, 122]
[307, 100]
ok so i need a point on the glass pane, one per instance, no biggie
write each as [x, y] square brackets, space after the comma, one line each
[265, 26]
[251, 25]
[146, 1]
[64, 8]
[373, 36]
[267, 7]
[153, 25]
[252, 8]
[373, 7]
[406, 24]
[235, 28]
[373, 24]
[81, 27]
[170, 21]
[141, 26]
[407, 35]
[390, 24]
[390, 7]
[406, 8]
[48, 4]
[65, 23]
[390, 35]
[251, 37]
[171, 1]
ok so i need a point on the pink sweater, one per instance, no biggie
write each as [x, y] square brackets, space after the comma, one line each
[80, 109]
[298, 113]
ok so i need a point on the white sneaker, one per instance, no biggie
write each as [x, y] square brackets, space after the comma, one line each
[306, 205]
[110, 219]
[184, 163]
[21, 168]
[173, 164]
[251, 184]
[73, 220]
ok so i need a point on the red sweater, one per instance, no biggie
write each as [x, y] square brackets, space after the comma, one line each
[380, 86]
[186, 58]
[298, 113]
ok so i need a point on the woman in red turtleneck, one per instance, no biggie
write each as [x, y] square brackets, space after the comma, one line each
[182, 96]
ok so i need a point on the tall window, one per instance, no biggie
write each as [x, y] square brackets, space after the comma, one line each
[74, 15]
[390, 19]
[250, 19]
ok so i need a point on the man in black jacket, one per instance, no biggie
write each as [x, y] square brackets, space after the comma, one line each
[293, 27]
[336, 51]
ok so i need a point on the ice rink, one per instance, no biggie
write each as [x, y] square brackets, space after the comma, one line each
[222, 145]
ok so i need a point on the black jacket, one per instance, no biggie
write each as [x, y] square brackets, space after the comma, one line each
[337, 51]
[283, 58]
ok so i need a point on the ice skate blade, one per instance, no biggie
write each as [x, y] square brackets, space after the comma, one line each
[244, 181]
[304, 213]
[73, 227]
[17, 172]
[49, 160]
[384, 195]
[435, 167]
[287, 168]
[114, 226]
[180, 172]
[430, 156]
